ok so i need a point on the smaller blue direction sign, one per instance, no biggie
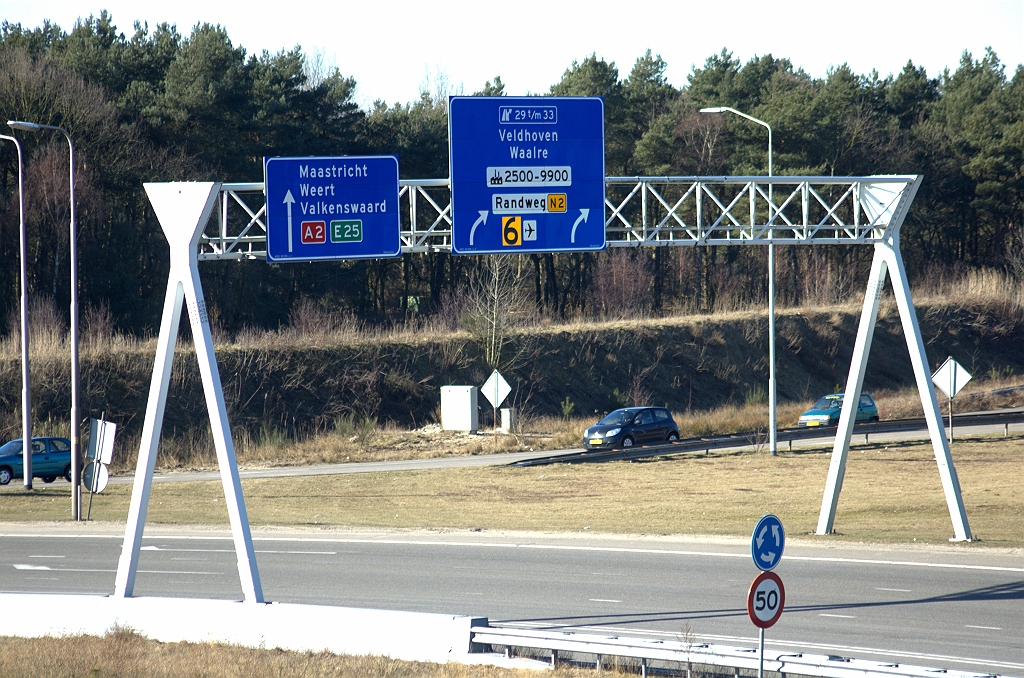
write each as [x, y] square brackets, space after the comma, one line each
[326, 208]
[767, 543]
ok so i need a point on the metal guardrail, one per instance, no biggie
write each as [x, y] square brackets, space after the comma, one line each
[707, 443]
[683, 655]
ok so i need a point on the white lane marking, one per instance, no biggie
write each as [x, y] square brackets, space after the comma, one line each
[549, 547]
[896, 590]
[166, 550]
[852, 650]
[987, 628]
[21, 566]
[604, 600]
[47, 556]
[838, 616]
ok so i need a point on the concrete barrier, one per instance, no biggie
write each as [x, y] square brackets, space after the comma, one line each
[413, 636]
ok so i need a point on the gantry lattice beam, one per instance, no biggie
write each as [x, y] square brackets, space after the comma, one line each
[640, 212]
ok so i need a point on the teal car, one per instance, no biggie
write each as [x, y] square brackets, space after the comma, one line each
[826, 411]
[51, 457]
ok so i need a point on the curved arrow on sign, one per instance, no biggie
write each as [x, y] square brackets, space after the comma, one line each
[584, 213]
[481, 220]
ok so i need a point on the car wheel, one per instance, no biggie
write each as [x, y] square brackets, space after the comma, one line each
[627, 442]
[873, 419]
[673, 436]
[67, 473]
[5, 475]
[48, 479]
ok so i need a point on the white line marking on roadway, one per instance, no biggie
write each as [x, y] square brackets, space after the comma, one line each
[851, 650]
[47, 556]
[604, 600]
[838, 616]
[21, 566]
[166, 550]
[551, 547]
[896, 590]
[987, 628]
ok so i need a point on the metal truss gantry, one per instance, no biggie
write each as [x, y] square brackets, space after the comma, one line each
[640, 212]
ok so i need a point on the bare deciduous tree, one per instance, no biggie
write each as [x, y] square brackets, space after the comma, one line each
[497, 304]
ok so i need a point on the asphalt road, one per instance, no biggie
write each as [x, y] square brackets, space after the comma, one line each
[953, 607]
[502, 459]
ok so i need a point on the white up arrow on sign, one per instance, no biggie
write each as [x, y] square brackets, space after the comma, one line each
[289, 201]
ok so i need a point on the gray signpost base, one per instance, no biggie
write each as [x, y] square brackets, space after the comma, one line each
[183, 209]
[887, 259]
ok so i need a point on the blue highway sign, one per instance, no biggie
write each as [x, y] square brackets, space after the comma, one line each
[527, 174]
[332, 208]
[767, 543]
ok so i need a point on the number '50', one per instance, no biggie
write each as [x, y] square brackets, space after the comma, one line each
[769, 600]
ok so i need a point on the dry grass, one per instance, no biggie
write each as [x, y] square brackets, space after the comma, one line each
[362, 441]
[891, 493]
[312, 326]
[124, 654]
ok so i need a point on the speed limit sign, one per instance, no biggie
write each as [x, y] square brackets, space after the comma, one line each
[765, 600]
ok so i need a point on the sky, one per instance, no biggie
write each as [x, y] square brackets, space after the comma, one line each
[395, 49]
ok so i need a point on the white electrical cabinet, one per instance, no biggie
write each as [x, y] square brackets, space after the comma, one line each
[459, 408]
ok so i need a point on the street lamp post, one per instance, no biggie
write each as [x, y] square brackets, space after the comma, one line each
[26, 392]
[76, 457]
[773, 443]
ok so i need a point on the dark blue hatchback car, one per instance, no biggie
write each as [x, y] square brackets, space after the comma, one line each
[630, 426]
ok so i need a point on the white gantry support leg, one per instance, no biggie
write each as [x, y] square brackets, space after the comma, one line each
[183, 209]
[888, 258]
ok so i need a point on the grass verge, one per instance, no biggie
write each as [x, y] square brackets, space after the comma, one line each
[891, 493]
[123, 654]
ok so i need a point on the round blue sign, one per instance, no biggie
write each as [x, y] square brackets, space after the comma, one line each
[767, 543]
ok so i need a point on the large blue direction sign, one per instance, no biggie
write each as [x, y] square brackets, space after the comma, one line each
[332, 208]
[527, 174]
[767, 543]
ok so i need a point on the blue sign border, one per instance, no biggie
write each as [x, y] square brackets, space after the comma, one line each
[765, 523]
[381, 240]
[470, 192]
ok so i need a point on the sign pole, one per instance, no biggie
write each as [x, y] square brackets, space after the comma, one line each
[97, 445]
[952, 387]
[760, 654]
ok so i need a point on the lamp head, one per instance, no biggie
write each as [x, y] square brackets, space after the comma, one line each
[713, 109]
[24, 126]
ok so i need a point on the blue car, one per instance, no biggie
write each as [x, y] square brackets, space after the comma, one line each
[51, 457]
[826, 411]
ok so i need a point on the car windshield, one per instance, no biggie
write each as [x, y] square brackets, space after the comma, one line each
[828, 403]
[13, 447]
[617, 418]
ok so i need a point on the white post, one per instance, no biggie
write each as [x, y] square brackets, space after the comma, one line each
[919, 358]
[183, 210]
[887, 258]
[854, 382]
[26, 389]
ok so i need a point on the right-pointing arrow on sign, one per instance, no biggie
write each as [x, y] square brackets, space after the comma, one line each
[481, 220]
[584, 213]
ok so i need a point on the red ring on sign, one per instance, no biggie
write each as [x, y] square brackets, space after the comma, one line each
[758, 580]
